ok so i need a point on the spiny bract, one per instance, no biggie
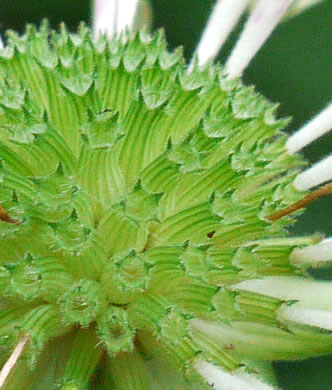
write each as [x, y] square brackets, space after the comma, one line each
[137, 195]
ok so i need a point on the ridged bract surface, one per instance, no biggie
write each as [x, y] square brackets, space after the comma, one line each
[139, 194]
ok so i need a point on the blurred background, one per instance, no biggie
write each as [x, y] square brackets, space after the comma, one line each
[294, 68]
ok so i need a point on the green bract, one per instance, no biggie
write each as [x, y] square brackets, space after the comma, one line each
[139, 194]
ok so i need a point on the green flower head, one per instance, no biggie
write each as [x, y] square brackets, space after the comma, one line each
[143, 221]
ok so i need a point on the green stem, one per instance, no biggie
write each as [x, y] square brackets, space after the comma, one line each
[82, 362]
[129, 372]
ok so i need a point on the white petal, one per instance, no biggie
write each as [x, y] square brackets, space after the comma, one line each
[319, 173]
[257, 30]
[1, 43]
[222, 380]
[312, 254]
[318, 318]
[318, 126]
[114, 16]
[222, 21]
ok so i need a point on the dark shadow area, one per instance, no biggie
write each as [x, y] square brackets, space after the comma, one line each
[311, 374]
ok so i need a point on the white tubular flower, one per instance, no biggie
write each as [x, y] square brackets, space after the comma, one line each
[319, 173]
[126, 14]
[299, 6]
[265, 17]
[317, 318]
[105, 17]
[315, 128]
[222, 21]
[313, 255]
[312, 307]
[306, 303]
[310, 294]
[258, 341]
[114, 16]
[220, 379]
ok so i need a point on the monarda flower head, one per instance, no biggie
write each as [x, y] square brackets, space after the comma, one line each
[143, 221]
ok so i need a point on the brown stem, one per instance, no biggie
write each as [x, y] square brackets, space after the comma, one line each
[4, 216]
[12, 361]
[304, 202]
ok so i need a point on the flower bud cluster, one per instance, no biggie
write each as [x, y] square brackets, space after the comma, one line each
[138, 197]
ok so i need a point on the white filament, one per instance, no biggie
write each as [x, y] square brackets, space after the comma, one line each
[318, 126]
[114, 16]
[219, 379]
[319, 173]
[312, 254]
[264, 18]
[223, 19]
